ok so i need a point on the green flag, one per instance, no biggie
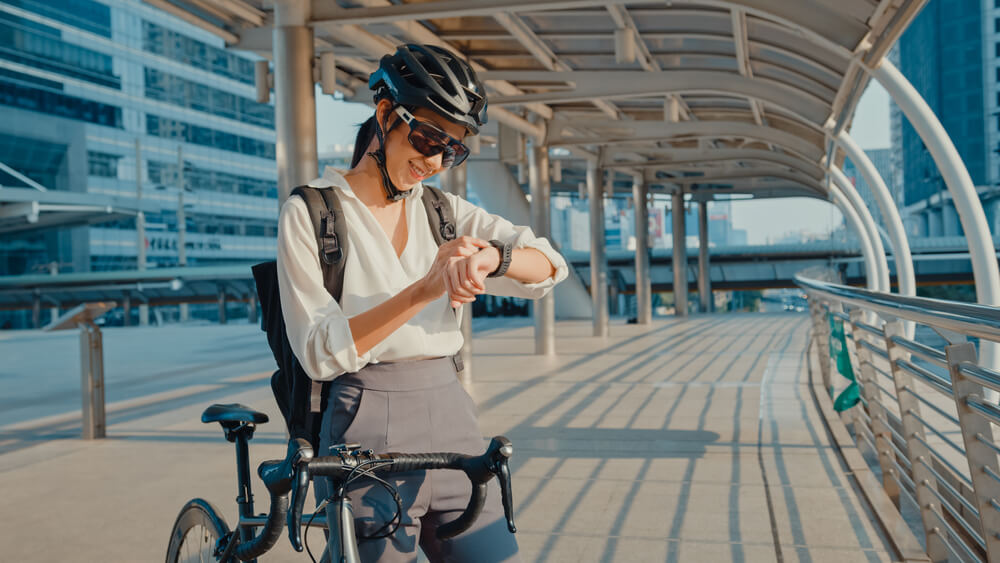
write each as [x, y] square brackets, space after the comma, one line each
[838, 350]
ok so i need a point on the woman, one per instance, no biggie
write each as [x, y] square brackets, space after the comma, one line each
[387, 345]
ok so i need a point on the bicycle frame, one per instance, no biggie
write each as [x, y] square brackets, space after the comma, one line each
[339, 510]
[287, 482]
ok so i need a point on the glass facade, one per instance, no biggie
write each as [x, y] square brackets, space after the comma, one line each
[163, 88]
[39, 46]
[176, 46]
[188, 94]
[202, 179]
[54, 103]
[941, 53]
[83, 14]
[207, 137]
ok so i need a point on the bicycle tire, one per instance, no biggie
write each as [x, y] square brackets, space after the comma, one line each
[195, 533]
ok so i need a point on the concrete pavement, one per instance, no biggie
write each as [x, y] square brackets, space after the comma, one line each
[688, 440]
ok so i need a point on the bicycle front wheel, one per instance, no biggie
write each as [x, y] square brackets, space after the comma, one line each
[196, 533]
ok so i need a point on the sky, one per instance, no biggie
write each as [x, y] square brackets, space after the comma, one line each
[764, 220]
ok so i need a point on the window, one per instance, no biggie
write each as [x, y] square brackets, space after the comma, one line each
[202, 179]
[173, 45]
[25, 42]
[55, 103]
[185, 93]
[102, 164]
[84, 14]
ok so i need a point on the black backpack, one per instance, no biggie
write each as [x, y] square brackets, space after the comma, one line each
[300, 398]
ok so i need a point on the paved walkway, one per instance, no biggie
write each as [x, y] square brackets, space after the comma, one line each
[694, 440]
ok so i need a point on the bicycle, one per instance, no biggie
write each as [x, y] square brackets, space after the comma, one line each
[200, 532]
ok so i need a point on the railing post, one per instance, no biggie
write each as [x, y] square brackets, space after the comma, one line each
[913, 433]
[865, 376]
[92, 382]
[821, 331]
[860, 424]
[981, 458]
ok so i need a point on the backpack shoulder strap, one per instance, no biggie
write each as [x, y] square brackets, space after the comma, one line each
[440, 215]
[331, 234]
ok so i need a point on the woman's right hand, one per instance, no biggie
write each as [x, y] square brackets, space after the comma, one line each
[438, 279]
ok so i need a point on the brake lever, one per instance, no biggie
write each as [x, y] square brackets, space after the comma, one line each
[300, 453]
[501, 468]
[300, 488]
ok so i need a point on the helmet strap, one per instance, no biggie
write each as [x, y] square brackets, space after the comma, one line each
[392, 193]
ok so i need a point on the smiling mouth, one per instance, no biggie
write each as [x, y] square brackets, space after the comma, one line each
[417, 173]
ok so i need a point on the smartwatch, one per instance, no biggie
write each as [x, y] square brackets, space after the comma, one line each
[506, 250]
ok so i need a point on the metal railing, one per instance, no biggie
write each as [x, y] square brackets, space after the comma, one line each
[927, 411]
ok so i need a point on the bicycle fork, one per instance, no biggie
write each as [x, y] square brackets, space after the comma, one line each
[340, 523]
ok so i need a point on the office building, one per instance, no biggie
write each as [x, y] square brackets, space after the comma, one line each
[89, 89]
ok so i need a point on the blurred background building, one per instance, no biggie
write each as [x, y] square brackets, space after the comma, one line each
[951, 55]
[89, 89]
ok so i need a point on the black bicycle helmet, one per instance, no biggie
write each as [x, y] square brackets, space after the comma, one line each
[431, 77]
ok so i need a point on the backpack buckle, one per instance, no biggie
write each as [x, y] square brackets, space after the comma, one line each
[331, 250]
[447, 227]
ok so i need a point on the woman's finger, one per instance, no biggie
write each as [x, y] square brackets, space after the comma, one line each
[454, 275]
[471, 273]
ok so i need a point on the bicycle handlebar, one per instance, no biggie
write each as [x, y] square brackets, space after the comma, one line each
[292, 475]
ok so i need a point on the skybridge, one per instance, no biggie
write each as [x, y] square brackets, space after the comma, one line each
[863, 430]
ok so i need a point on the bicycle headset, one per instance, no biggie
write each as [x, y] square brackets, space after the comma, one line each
[425, 76]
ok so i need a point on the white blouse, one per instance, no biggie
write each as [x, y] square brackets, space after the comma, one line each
[317, 325]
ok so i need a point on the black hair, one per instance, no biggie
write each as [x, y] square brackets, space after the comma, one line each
[365, 135]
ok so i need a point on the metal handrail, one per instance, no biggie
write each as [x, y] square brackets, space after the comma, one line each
[925, 375]
[961, 489]
[981, 321]
[926, 352]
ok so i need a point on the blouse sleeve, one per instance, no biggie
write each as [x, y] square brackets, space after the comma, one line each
[477, 222]
[317, 328]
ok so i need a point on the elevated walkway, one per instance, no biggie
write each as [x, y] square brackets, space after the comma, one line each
[687, 440]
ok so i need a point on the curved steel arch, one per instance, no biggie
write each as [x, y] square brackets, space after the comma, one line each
[637, 84]
[687, 158]
[625, 132]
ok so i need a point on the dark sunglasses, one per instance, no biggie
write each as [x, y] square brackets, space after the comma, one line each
[429, 140]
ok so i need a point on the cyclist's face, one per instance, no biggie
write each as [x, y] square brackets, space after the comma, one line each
[405, 164]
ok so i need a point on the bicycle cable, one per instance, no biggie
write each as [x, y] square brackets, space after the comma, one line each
[390, 527]
[357, 472]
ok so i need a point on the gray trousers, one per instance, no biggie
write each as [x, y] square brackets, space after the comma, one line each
[414, 407]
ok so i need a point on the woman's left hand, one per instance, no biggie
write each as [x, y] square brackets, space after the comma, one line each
[467, 276]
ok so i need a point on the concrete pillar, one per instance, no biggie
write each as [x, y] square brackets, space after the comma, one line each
[222, 305]
[704, 275]
[181, 225]
[643, 284]
[541, 219]
[140, 229]
[127, 309]
[598, 258]
[950, 225]
[680, 254]
[36, 310]
[934, 222]
[459, 185]
[294, 96]
[54, 311]
[252, 307]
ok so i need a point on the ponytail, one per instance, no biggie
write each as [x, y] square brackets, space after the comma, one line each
[365, 135]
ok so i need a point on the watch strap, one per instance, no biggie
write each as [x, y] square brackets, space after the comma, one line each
[506, 250]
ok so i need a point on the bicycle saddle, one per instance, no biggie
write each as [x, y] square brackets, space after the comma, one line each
[232, 413]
